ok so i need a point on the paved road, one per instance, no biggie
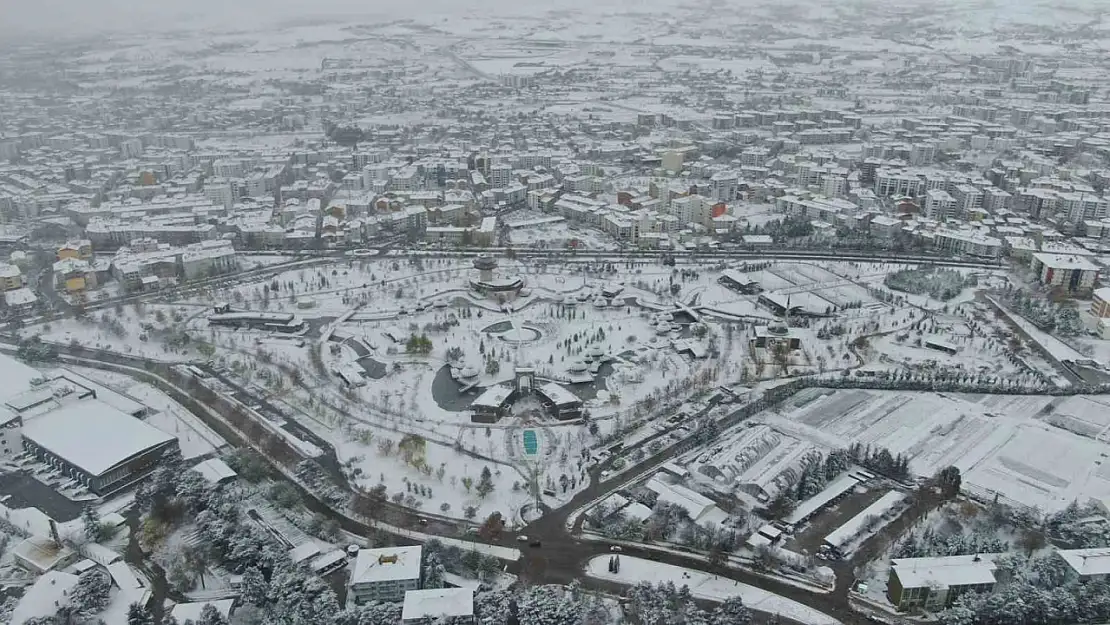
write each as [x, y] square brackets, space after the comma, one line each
[726, 254]
[561, 556]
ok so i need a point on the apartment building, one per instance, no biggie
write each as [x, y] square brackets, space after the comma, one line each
[971, 243]
[935, 583]
[968, 198]
[939, 204]
[81, 249]
[1100, 303]
[11, 278]
[384, 574]
[208, 258]
[74, 275]
[1074, 273]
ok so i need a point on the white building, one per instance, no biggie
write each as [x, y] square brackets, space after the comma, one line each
[1087, 565]
[425, 607]
[1073, 272]
[701, 509]
[208, 258]
[384, 574]
[970, 243]
[934, 583]
[220, 192]
[939, 204]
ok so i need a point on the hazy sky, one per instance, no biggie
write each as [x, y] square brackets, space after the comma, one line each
[82, 16]
[142, 15]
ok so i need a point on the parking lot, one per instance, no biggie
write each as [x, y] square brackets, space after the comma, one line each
[20, 490]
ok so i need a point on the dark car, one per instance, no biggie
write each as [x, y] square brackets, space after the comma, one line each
[535, 543]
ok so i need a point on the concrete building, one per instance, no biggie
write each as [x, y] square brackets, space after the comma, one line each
[11, 278]
[939, 204]
[208, 258]
[1086, 565]
[672, 160]
[935, 583]
[220, 193]
[384, 574]
[20, 301]
[972, 243]
[1076, 274]
[75, 276]
[1100, 303]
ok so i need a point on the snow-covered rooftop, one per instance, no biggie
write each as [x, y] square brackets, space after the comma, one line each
[191, 611]
[851, 528]
[43, 597]
[438, 602]
[390, 563]
[701, 509]
[944, 572]
[493, 396]
[1087, 562]
[842, 484]
[558, 395]
[1065, 261]
[17, 376]
[93, 435]
[215, 470]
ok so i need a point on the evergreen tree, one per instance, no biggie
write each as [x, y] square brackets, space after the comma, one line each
[209, 615]
[90, 523]
[256, 591]
[90, 595]
[138, 615]
[485, 483]
[731, 612]
[434, 571]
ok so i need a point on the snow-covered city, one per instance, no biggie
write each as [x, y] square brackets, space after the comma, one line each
[662, 313]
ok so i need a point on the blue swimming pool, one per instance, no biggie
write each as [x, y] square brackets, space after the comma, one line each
[531, 442]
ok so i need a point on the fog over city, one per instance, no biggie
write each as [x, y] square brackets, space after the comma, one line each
[581, 312]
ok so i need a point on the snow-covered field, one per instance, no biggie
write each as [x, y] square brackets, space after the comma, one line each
[1004, 444]
[706, 586]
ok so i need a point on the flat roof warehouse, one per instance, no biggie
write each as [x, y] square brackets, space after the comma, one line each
[95, 438]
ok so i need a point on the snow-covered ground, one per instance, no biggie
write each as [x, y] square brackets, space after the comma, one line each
[706, 586]
[1005, 444]
[194, 437]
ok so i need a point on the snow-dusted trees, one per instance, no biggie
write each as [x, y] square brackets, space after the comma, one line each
[880, 460]
[91, 524]
[664, 604]
[434, 570]
[1046, 315]
[549, 605]
[493, 607]
[485, 483]
[731, 612]
[1039, 591]
[371, 614]
[930, 543]
[466, 563]
[942, 284]
[1066, 526]
[139, 615]
[949, 481]
[90, 595]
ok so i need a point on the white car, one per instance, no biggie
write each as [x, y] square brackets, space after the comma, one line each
[522, 538]
[616, 548]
